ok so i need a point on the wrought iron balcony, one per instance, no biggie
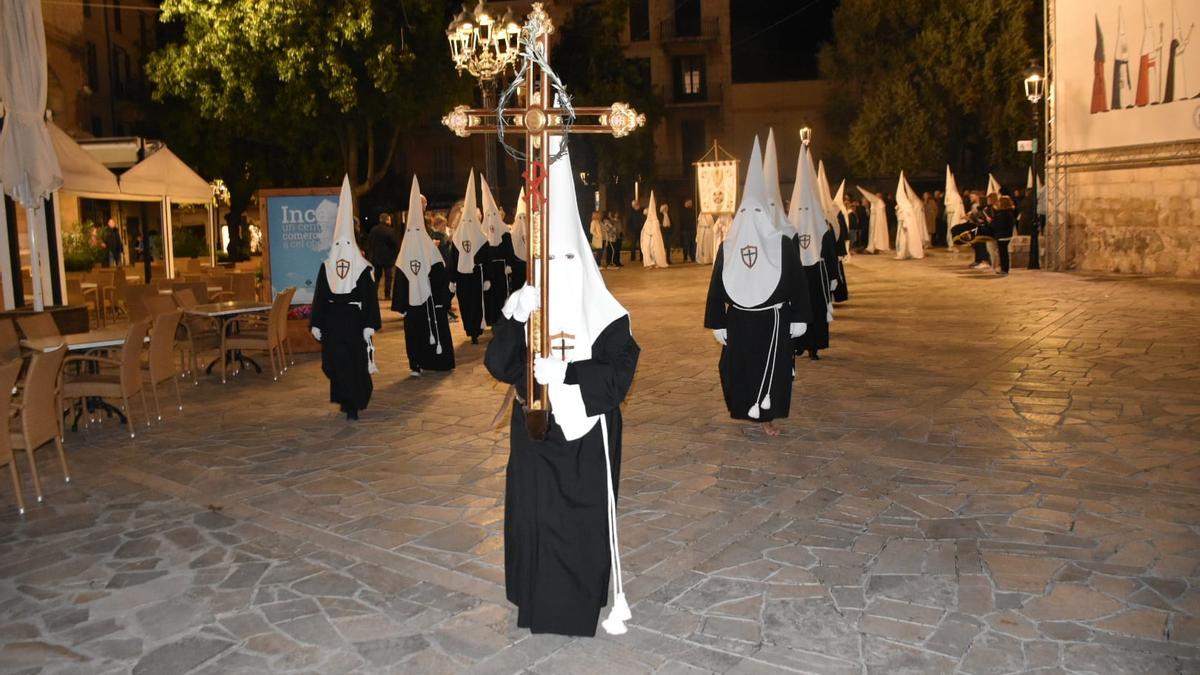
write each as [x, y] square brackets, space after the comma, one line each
[676, 30]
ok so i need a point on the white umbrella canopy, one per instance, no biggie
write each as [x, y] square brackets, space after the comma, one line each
[29, 170]
[82, 173]
[163, 175]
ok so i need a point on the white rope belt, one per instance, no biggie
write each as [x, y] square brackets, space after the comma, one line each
[762, 402]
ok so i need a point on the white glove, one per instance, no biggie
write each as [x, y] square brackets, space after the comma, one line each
[722, 335]
[368, 332]
[797, 329]
[523, 302]
[833, 284]
[453, 287]
[316, 333]
[549, 370]
[487, 285]
[507, 269]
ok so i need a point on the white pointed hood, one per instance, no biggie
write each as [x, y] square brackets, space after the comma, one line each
[418, 253]
[751, 265]
[806, 214]
[770, 166]
[493, 224]
[345, 262]
[993, 187]
[827, 200]
[910, 214]
[581, 306]
[956, 211]
[839, 201]
[520, 228]
[652, 220]
[877, 237]
[469, 237]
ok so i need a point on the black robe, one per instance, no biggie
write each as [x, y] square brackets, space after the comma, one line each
[498, 260]
[343, 349]
[556, 553]
[469, 289]
[519, 270]
[425, 322]
[842, 293]
[752, 336]
[819, 298]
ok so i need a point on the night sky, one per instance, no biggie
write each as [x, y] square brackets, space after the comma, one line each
[775, 40]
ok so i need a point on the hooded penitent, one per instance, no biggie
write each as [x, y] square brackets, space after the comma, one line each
[770, 177]
[520, 227]
[654, 251]
[956, 212]
[469, 238]
[751, 266]
[993, 187]
[877, 237]
[418, 253]
[831, 209]
[493, 224]
[806, 214]
[345, 262]
[910, 231]
[839, 201]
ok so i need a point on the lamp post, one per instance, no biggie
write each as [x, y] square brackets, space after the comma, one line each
[484, 46]
[1035, 89]
[805, 135]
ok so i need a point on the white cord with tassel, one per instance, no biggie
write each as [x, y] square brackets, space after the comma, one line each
[619, 614]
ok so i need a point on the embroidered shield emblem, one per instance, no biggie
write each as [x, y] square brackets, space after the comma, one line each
[342, 268]
[805, 240]
[718, 197]
[415, 266]
[467, 245]
[749, 255]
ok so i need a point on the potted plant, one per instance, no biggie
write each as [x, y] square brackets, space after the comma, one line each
[299, 336]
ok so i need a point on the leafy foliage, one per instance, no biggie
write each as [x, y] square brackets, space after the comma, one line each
[81, 247]
[917, 83]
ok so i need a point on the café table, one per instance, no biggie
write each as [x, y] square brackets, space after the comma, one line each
[223, 312]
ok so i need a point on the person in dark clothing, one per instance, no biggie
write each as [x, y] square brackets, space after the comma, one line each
[687, 230]
[634, 221]
[1001, 227]
[382, 248]
[893, 222]
[114, 249]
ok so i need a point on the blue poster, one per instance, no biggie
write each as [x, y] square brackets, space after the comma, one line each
[300, 231]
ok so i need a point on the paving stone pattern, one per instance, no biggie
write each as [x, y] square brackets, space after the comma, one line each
[984, 475]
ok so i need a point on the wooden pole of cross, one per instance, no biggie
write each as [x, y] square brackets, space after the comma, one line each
[536, 121]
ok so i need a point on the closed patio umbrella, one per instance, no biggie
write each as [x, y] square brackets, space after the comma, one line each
[29, 169]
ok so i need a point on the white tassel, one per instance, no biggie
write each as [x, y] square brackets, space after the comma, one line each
[617, 616]
[432, 341]
[766, 402]
[439, 348]
[754, 412]
[828, 315]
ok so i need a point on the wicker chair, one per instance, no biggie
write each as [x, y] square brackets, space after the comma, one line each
[200, 333]
[40, 325]
[126, 382]
[10, 342]
[161, 362]
[9, 371]
[248, 333]
[39, 414]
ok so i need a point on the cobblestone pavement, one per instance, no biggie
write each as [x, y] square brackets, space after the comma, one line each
[984, 475]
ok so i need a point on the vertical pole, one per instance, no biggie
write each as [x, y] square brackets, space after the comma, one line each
[6, 266]
[35, 268]
[1034, 248]
[489, 140]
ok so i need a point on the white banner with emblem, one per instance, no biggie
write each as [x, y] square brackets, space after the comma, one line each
[716, 185]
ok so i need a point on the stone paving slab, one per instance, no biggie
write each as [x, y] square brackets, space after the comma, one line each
[984, 475]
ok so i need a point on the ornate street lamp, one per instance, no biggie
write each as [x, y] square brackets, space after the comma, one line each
[485, 47]
[1035, 89]
[805, 135]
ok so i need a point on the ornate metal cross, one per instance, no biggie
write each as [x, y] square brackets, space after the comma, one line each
[536, 121]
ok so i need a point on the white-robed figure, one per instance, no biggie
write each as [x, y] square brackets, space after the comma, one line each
[654, 250]
[910, 229]
[345, 314]
[877, 230]
[519, 230]
[956, 211]
[421, 294]
[705, 246]
[756, 305]
[467, 259]
[816, 244]
[560, 538]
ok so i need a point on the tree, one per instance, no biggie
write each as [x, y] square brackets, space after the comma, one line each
[918, 83]
[589, 60]
[351, 73]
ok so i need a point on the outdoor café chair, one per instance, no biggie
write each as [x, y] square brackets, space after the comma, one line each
[39, 412]
[126, 382]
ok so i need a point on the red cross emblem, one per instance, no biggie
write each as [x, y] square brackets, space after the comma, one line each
[535, 176]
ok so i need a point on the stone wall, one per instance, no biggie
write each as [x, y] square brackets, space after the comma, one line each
[1139, 219]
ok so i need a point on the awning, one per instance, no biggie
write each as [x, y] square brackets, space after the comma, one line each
[81, 173]
[164, 175]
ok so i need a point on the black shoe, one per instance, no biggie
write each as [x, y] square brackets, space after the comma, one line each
[812, 354]
[474, 339]
[351, 414]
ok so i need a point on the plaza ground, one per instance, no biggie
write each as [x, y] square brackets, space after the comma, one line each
[983, 475]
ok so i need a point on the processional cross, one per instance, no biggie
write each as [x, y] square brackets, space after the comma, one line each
[536, 121]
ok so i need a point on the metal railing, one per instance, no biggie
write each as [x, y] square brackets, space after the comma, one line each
[707, 29]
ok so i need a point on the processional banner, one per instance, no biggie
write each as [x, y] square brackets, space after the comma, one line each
[716, 185]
